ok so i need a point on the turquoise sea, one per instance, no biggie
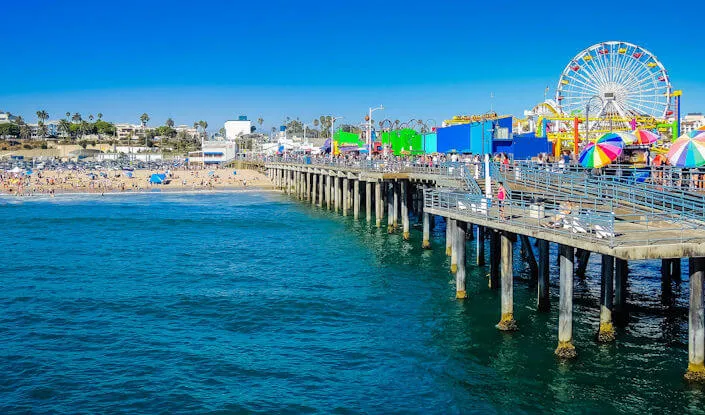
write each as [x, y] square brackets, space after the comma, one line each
[250, 302]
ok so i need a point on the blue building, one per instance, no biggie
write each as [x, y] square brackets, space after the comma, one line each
[479, 137]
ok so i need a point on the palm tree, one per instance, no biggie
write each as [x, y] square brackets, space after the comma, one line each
[42, 115]
[42, 131]
[76, 118]
[65, 126]
[169, 123]
[90, 117]
[204, 126]
[144, 119]
[260, 121]
[68, 115]
[315, 122]
[100, 115]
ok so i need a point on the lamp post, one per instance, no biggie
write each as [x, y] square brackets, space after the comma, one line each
[369, 128]
[332, 131]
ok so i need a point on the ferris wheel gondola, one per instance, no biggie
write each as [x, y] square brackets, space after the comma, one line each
[628, 81]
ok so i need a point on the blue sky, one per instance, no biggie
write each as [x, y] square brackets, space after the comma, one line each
[214, 60]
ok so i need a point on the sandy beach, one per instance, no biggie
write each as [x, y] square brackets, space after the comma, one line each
[96, 181]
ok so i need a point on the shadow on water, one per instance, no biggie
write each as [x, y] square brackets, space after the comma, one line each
[641, 372]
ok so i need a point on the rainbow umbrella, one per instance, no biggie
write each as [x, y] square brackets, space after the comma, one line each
[645, 137]
[628, 138]
[602, 152]
[689, 150]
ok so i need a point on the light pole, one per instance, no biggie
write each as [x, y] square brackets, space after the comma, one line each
[332, 131]
[369, 128]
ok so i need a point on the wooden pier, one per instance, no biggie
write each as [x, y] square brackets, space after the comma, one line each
[583, 216]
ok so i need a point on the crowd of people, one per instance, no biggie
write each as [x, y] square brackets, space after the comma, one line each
[50, 182]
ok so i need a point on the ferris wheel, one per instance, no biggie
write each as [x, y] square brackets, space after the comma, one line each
[616, 80]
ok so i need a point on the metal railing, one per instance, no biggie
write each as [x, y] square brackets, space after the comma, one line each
[634, 196]
[576, 218]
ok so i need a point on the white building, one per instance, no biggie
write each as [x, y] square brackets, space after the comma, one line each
[692, 121]
[214, 152]
[6, 117]
[236, 128]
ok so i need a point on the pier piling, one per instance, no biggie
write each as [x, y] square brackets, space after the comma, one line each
[405, 210]
[529, 256]
[459, 249]
[346, 196]
[507, 322]
[620, 312]
[454, 247]
[696, 323]
[566, 349]
[426, 244]
[449, 237]
[390, 208]
[543, 302]
[378, 204]
[480, 246]
[368, 202]
[494, 259]
[606, 331]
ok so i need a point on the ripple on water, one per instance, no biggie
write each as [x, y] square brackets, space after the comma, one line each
[247, 302]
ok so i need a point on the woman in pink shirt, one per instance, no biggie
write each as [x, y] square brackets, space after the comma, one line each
[501, 197]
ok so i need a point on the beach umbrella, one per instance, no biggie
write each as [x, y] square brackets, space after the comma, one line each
[688, 150]
[628, 138]
[210, 173]
[234, 172]
[645, 137]
[602, 152]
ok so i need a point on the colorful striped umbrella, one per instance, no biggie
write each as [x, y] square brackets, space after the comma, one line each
[689, 150]
[602, 152]
[628, 138]
[645, 137]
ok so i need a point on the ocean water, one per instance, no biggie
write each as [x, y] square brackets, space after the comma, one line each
[251, 302]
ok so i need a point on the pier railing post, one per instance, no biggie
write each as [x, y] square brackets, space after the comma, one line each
[507, 322]
[566, 349]
[696, 323]
[460, 229]
[606, 331]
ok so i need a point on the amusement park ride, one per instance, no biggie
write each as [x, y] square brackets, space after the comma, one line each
[610, 86]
